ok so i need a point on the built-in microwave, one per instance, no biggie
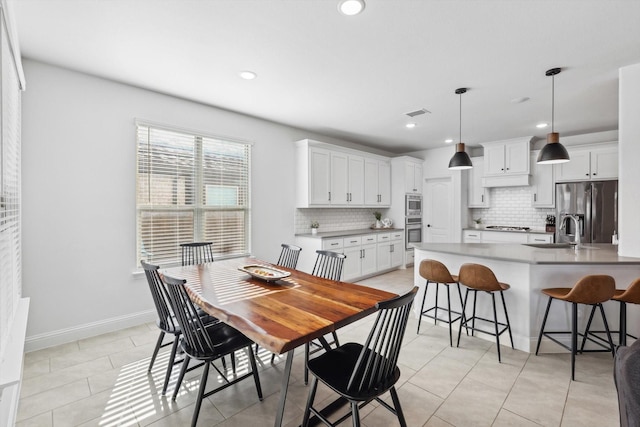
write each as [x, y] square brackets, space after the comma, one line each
[413, 205]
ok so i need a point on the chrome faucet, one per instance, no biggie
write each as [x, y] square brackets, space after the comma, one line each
[576, 220]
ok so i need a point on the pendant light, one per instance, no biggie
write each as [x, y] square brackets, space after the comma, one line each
[553, 151]
[460, 159]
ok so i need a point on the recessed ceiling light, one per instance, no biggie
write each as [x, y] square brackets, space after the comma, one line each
[248, 75]
[448, 141]
[542, 125]
[410, 125]
[351, 7]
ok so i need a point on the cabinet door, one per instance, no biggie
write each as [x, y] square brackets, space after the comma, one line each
[417, 178]
[369, 261]
[477, 195]
[319, 179]
[371, 180]
[517, 157]
[351, 267]
[384, 183]
[339, 178]
[540, 238]
[355, 180]
[577, 169]
[543, 193]
[397, 254]
[604, 163]
[409, 177]
[384, 256]
[494, 160]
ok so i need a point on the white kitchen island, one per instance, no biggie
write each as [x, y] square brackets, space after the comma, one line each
[527, 270]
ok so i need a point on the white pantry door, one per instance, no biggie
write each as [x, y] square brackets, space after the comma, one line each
[438, 215]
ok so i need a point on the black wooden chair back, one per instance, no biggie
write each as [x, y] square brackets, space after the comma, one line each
[196, 253]
[289, 256]
[194, 334]
[377, 362]
[166, 321]
[328, 265]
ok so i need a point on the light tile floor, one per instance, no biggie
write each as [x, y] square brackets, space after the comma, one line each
[103, 381]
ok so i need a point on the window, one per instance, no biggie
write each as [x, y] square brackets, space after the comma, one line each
[190, 188]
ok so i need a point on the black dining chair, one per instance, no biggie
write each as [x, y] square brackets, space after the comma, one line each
[196, 253]
[362, 373]
[328, 265]
[166, 321]
[289, 256]
[206, 343]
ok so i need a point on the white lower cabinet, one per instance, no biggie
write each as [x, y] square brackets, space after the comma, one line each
[540, 238]
[367, 254]
[470, 236]
[480, 236]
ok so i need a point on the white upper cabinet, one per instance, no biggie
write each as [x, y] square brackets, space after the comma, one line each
[477, 195]
[328, 175]
[543, 184]
[593, 162]
[413, 177]
[506, 157]
[377, 183]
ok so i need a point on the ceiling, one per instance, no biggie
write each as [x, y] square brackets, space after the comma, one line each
[354, 78]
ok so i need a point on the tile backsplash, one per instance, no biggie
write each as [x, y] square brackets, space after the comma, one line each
[512, 206]
[337, 219]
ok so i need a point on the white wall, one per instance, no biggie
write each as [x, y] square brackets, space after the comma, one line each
[629, 152]
[79, 196]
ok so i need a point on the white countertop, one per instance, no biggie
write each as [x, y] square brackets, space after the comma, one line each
[599, 253]
[345, 233]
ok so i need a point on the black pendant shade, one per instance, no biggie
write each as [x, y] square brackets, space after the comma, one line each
[553, 151]
[460, 159]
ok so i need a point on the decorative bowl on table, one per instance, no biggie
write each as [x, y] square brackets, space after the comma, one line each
[262, 272]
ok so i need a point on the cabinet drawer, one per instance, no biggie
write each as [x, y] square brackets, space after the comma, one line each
[397, 235]
[352, 241]
[540, 238]
[369, 238]
[332, 244]
[384, 237]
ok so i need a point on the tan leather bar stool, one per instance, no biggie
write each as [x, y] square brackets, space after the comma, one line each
[479, 278]
[589, 290]
[631, 295]
[436, 272]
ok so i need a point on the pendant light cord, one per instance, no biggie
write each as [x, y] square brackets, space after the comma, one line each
[553, 97]
[460, 126]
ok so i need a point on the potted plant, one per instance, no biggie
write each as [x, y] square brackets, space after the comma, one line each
[378, 216]
[477, 222]
[314, 227]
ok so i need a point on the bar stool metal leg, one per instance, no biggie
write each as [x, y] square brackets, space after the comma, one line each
[544, 322]
[495, 324]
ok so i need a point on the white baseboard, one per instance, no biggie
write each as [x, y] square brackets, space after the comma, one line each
[63, 336]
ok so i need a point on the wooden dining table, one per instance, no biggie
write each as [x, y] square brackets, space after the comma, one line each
[278, 315]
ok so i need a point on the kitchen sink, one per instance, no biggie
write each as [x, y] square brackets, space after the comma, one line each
[550, 245]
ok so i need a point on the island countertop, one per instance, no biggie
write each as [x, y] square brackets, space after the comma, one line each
[599, 253]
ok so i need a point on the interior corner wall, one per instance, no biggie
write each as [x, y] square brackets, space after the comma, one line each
[79, 216]
[629, 152]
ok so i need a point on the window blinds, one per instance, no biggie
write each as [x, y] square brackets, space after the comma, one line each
[190, 188]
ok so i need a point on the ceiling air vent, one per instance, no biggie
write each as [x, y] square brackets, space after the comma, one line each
[418, 112]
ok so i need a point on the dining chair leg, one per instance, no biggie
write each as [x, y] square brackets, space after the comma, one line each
[203, 384]
[254, 371]
[449, 309]
[606, 328]
[183, 370]
[424, 298]
[355, 414]
[398, 408]
[155, 350]
[622, 335]
[588, 328]
[544, 321]
[306, 359]
[495, 324]
[335, 338]
[435, 312]
[506, 316]
[170, 362]
[232, 356]
[310, 399]
[574, 338]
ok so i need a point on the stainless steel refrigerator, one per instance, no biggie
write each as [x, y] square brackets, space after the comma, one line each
[595, 203]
